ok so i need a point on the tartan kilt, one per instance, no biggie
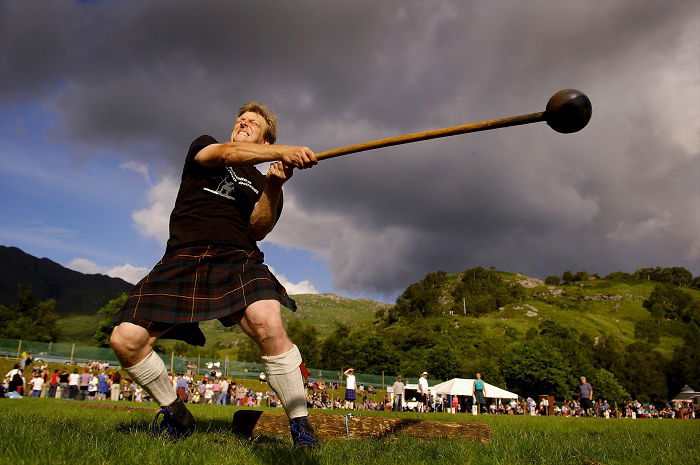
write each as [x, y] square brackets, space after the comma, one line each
[198, 283]
[479, 394]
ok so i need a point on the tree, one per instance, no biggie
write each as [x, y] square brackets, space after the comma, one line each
[441, 363]
[581, 276]
[552, 280]
[676, 275]
[481, 291]
[29, 318]
[619, 276]
[606, 387]
[648, 329]
[667, 301]
[106, 324]
[535, 367]
[643, 374]
[684, 368]
[609, 354]
[306, 339]
[366, 352]
[330, 348]
[422, 298]
[695, 283]
[184, 349]
[249, 351]
[568, 277]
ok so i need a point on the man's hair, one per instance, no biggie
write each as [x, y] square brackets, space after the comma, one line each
[263, 110]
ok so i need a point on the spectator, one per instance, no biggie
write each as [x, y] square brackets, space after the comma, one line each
[73, 383]
[63, 383]
[92, 387]
[586, 396]
[16, 383]
[222, 399]
[399, 389]
[53, 383]
[479, 393]
[102, 386]
[350, 388]
[424, 390]
[37, 383]
[84, 382]
[116, 387]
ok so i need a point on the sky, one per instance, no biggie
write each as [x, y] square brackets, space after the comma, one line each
[99, 101]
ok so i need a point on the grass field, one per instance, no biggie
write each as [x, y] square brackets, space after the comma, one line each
[39, 431]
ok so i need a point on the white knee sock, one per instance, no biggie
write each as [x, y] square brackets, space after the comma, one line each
[284, 376]
[151, 375]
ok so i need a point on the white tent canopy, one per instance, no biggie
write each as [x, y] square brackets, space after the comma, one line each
[465, 387]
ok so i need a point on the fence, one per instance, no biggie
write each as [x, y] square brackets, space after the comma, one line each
[66, 352]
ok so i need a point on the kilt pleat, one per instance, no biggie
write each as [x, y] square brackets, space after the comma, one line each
[198, 283]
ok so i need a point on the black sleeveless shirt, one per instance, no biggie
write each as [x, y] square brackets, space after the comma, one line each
[214, 205]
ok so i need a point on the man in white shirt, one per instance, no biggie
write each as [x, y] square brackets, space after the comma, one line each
[37, 383]
[223, 386]
[424, 390]
[73, 383]
[350, 388]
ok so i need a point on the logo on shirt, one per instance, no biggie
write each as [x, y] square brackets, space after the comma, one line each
[227, 186]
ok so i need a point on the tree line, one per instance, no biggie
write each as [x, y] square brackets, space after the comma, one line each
[677, 275]
[423, 332]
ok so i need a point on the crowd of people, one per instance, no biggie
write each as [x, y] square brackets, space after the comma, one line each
[97, 381]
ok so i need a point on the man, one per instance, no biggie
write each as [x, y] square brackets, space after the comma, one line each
[399, 389]
[350, 388]
[586, 396]
[223, 392]
[212, 268]
[73, 384]
[424, 390]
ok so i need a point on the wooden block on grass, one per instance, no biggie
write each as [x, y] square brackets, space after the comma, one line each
[255, 423]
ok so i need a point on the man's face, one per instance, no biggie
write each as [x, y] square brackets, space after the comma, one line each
[249, 127]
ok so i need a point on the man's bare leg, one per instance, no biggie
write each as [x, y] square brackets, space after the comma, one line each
[133, 345]
[262, 321]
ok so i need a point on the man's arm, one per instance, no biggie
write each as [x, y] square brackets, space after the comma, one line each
[264, 215]
[248, 154]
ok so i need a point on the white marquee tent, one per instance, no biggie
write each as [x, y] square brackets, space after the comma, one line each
[465, 387]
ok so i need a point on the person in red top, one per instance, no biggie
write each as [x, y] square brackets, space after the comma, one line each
[53, 384]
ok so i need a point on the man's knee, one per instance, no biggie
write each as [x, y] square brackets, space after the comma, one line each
[128, 339]
[266, 321]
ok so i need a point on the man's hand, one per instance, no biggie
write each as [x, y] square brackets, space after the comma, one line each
[298, 156]
[279, 173]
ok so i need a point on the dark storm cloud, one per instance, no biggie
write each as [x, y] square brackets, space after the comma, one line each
[619, 195]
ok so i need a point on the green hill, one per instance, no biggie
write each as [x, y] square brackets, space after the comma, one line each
[631, 337]
[323, 311]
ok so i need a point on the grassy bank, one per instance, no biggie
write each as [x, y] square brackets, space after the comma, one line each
[67, 432]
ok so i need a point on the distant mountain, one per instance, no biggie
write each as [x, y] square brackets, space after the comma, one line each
[75, 293]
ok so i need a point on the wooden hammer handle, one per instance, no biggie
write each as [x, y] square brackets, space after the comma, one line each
[435, 133]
